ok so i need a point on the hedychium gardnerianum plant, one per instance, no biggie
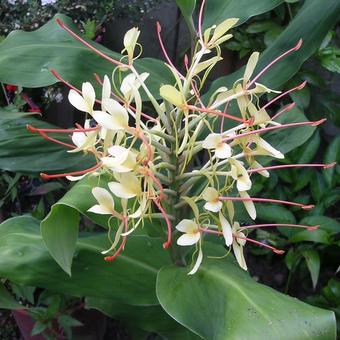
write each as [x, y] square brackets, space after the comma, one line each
[150, 159]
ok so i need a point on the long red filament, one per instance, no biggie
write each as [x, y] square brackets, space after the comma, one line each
[200, 19]
[260, 74]
[299, 87]
[74, 173]
[283, 126]
[283, 110]
[255, 226]
[275, 250]
[167, 221]
[284, 166]
[56, 141]
[269, 200]
[122, 244]
[159, 29]
[34, 129]
[85, 43]
[214, 112]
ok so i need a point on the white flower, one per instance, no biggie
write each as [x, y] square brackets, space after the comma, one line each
[226, 230]
[131, 82]
[240, 174]
[249, 205]
[215, 141]
[84, 140]
[264, 148]
[85, 101]
[106, 204]
[130, 41]
[127, 187]
[122, 160]
[210, 195]
[192, 234]
[117, 118]
[238, 244]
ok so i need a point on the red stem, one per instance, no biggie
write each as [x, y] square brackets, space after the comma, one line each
[122, 245]
[74, 173]
[275, 250]
[168, 223]
[255, 226]
[316, 165]
[269, 200]
[85, 43]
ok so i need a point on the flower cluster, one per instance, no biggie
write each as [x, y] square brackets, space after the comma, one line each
[150, 158]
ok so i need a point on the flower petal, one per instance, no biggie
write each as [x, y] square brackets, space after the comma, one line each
[106, 90]
[89, 95]
[212, 141]
[223, 151]
[77, 101]
[188, 239]
[104, 198]
[214, 206]
[99, 209]
[249, 205]
[187, 226]
[198, 262]
[121, 191]
[226, 230]
[238, 252]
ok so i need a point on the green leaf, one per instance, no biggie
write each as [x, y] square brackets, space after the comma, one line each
[317, 236]
[187, 7]
[328, 224]
[26, 58]
[27, 152]
[325, 13]
[318, 187]
[217, 11]
[332, 154]
[306, 152]
[38, 328]
[59, 231]
[151, 318]
[274, 213]
[313, 263]
[130, 279]
[7, 301]
[222, 302]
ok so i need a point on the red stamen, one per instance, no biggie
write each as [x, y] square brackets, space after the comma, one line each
[45, 136]
[299, 87]
[159, 28]
[217, 113]
[285, 109]
[186, 62]
[80, 129]
[74, 173]
[168, 223]
[295, 48]
[269, 200]
[210, 231]
[85, 43]
[200, 19]
[283, 126]
[275, 250]
[255, 226]
[284, 166]
[122, 245]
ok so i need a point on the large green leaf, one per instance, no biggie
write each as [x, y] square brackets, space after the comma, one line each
[26, 152]
[7, 301]
[150, 318]
[222, 302]
[26, 57]
[325, 13]
[217, 10]
[130, 279]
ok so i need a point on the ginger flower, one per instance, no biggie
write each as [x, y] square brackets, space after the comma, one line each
[191, 233]
[84, 101]
[131, 83]
[215, 142]
[130, 41]
[105, 201]
[128, 186]
[240, 174]
[238, 244]
[210, 195]
[226, 230]
[120, 160]
[116, 118]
